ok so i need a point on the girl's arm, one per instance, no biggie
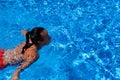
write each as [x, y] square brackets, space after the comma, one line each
[23, 65]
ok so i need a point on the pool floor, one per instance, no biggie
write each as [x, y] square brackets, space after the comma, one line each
[85, 37]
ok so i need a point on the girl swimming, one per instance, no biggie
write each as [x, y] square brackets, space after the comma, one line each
[26, 52]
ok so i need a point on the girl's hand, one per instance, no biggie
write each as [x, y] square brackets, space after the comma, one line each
[24, 32]
[14, 78]
[15, 75]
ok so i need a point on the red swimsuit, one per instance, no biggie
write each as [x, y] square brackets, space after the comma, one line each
[1, 59]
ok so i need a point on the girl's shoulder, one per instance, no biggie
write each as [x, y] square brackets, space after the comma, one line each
[31, 53]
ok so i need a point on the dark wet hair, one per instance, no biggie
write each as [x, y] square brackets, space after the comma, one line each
[35, 37]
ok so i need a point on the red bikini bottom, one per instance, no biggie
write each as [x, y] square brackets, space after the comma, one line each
[1, 59]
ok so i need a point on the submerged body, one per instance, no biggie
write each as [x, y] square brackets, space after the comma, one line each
[26, 52]
[14, 56]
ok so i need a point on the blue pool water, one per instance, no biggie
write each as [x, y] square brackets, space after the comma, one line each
[85, 35]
